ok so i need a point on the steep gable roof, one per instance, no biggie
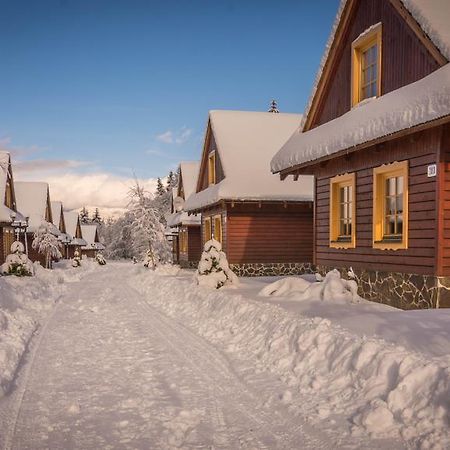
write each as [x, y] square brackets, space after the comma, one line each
[188, 177]
[90, 235]
[73, 227]
[246, 142]
[429, 19]
[33, 201]
[5, 174]
[58, 216]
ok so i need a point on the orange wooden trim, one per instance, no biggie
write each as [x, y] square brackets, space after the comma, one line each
[424, 39]
[329, 64]
[204, 159]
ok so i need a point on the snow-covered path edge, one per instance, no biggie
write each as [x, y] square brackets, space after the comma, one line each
[382, 389]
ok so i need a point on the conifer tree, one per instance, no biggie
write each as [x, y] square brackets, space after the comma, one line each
[159, 188]
[96, 218]
[84, 215]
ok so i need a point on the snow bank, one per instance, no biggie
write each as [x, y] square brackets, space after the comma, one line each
[382, 389]
[24, 304]
[331, 288]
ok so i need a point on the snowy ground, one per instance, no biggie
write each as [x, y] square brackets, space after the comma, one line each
[131, 359]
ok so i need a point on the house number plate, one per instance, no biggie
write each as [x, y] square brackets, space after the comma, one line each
[432, 170]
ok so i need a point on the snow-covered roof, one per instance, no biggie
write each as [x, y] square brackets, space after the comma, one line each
[246, 142]
[56, 212]
[89, 232]
[31, 200]
[414, 104]
[182, 218]
[5, 212]
[189, 174]
[433, 16]
[71, 219]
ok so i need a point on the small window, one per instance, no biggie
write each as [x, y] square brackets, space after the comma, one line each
[390, 206]
[366, 65]
[212, 168]
[207, 232]
[183, 241]
[218, 228]
[342, 211]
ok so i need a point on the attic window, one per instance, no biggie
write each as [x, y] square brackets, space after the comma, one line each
[366, 65]
[212, 168]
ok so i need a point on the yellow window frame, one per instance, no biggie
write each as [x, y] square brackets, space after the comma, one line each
[207, 232]
[183, 241]
[218, 228]
[380, 174]
[359, 46]
[336, 183]
[212, 168]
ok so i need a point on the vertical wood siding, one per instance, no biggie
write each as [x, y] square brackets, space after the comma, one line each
[443, 211]
[420, 149]
[404, 58]
[270, 234]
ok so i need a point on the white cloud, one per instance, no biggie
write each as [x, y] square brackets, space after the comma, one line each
[175, 137]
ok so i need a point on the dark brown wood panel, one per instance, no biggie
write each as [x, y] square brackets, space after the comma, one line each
[270, 233]
[220, 175]
[420, 256]
[194, 243]
[404, 58]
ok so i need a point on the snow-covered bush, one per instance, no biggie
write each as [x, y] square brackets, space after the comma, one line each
[46, 242]
[149, 260]
[329, 288]
[100, 259]
[213, 270]
[76, 260]
[17, 262]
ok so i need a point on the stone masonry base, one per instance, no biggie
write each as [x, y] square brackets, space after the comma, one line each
[271, 269]
[400, 290]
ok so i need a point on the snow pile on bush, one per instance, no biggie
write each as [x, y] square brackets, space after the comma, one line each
[330, 288]
[76, 260]
[100, 259]
[213, 270]
[17, 262]
[382, 389]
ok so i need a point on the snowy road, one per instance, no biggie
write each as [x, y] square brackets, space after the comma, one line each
[109, 371]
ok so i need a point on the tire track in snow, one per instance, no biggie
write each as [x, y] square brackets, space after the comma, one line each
[207, 360]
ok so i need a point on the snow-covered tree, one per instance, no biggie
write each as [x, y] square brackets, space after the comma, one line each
[96, 218]
[159, 187]
[46, 242]
[147, 228]
[273, 107]
[172, 180]
[213, 270]
[76, 260]
[17, 262]
[100, 259]
[84, 215]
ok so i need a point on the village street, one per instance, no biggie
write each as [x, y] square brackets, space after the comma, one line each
[107, 370]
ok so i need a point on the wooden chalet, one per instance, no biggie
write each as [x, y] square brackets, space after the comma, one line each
[376, 136]
[188, 241]
[264, 225]
[8, 210]
[60, 223]
[73, 228]
[33, 201]
[93, 244]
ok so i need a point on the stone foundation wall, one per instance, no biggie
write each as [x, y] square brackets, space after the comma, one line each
[184, 264]
[400, 290]
[271, 269]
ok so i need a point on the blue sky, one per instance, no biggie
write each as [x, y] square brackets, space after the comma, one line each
[112, 87]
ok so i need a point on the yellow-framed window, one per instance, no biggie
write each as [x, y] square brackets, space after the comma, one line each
[218, 228]
[212, 168]
[207, 231]
[366, 65]
[183, 241]
[390, 206]
[343, 211]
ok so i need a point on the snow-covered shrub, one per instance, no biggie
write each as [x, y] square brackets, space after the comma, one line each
[213, 270]
[329, 288]
[76, 260]
[17, 262]
[149, 260]
[100, 259]
[46, 242]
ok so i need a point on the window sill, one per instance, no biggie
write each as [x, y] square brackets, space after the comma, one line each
[342, 244]
[390, 245]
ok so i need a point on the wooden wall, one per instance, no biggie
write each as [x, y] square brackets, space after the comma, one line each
[220, 175]
[271, 233]
[443, 211]
[421, 149]
[404, 58]
[194, 244]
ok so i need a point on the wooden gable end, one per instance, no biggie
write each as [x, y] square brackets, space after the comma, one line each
[407, 55]
[10, 198]
[78, 230]
[48, 209]
[180, 191]
[208, 148]
[62, 223]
